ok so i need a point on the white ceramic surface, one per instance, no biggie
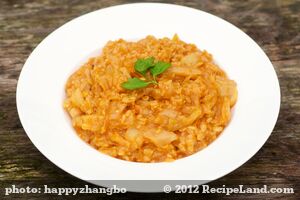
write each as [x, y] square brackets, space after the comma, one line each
[40, 91]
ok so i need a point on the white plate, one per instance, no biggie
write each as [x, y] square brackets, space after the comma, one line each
[40, 92]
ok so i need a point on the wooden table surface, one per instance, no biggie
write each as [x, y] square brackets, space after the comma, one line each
[273, 24]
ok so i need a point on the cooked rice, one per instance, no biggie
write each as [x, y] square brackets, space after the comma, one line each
[181, 115]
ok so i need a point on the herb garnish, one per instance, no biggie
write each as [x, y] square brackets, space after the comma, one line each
[135, 83]
[142, 66]
[159, 68]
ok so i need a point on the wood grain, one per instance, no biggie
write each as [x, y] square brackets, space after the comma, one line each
[273, 24]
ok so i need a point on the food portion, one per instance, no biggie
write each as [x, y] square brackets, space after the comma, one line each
[153, 100]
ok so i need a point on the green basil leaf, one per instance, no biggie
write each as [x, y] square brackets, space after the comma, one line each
[159, 68]
[142, 65]
[134, 83]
